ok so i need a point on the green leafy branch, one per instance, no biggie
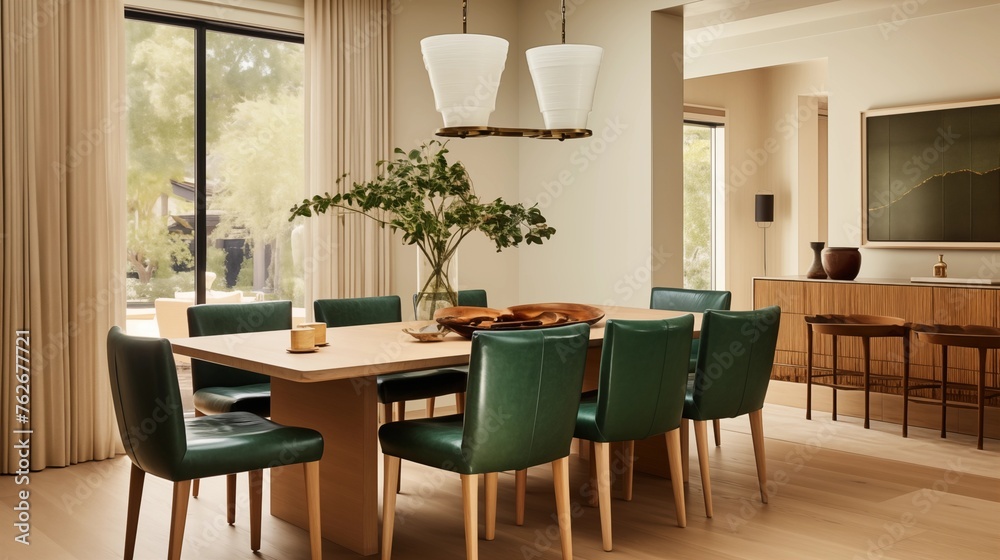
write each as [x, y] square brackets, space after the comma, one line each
[433, 204]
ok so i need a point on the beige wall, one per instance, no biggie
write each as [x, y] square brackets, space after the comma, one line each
[893, 60]
[596, 192]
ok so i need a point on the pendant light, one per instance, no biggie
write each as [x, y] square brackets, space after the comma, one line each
[565, 77]
[465, 71]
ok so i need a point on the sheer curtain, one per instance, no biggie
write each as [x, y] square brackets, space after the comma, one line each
[347, 110]
[62, 187]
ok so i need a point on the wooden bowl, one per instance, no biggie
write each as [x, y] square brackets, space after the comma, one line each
[465, 320]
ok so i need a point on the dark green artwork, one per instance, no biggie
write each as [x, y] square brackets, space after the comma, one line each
[934, 176]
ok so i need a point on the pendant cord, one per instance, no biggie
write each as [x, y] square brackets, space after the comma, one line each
[465, 16]
[564, 22]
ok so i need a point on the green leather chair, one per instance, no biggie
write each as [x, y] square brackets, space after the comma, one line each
[734, 368]
[534, 377]
[218, 388]
[697, 301]
[397, 387]
[640, 394]
[160, 441]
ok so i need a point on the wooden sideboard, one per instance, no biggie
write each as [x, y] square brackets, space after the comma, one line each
[921, 303]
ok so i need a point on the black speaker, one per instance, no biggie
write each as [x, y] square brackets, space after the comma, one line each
[763, 208]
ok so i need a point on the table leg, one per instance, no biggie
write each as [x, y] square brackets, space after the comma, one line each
[346, 413]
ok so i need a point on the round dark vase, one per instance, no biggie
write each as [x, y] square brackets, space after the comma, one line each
[842, 263]
[816, 270]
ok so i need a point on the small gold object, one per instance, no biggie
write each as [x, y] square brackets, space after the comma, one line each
[941, 268]
[303, 339]
[319, 334]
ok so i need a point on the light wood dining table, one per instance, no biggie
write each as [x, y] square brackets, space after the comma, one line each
[332, 390]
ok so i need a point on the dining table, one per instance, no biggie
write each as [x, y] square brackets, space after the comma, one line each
[332, 390]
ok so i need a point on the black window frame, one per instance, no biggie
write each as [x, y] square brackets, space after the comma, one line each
[201, 27]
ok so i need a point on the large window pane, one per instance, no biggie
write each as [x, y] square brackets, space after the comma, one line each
[703, 206]
[160, 161]
[255, 166]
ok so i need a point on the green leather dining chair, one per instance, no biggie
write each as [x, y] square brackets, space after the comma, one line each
[218, 388]
[534, 377]
[471, 298]
[395, 388]
[734, 369]
[160, 441]
[696, 301]
[640, 394]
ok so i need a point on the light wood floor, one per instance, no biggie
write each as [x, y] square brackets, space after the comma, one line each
[837, 491]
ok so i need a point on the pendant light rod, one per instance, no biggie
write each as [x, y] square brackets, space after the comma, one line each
[564, 22]
[465, 16]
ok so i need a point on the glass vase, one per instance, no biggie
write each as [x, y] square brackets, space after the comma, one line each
[436, 285]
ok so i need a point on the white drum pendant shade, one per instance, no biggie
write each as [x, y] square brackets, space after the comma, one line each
[465, 74]
[565, 77]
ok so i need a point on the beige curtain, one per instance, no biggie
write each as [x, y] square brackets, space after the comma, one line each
[347, 104]
[62, 185]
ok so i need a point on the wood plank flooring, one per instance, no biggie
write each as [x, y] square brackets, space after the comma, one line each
[837, 491]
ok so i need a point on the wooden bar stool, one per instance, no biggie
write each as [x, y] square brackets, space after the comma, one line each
[970, 336]
[865, 327]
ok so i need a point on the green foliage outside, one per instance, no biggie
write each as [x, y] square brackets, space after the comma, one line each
[697, 207]
[255, 153]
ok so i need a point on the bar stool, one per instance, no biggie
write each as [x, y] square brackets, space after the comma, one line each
[865, 327]
[969, 336]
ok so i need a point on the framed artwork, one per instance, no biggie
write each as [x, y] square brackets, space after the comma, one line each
[931, 176]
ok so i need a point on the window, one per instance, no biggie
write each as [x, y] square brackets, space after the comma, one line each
[704, 200]
[215, 159]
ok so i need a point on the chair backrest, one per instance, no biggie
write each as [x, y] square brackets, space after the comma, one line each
[147, 401]
[644, 373]
[471, 298]
[680, 299]
[734, 362]
[347, 312]
[522, 397]
[233, 318]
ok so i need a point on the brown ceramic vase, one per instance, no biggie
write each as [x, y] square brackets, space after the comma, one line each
[842, 263]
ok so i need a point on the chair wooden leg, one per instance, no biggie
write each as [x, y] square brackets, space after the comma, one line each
[674, 458]
[256, 489]
[520, 488]
[430, 407]
[470, 507]
[387, 413]
[592, 500]
[178, 514]
[491, 505]
[602, 459]
[560, 479]
[757, 432]
[388, 504]
[231, 499]
[400, 414]
[981, 397]
[136, 478]
[866, 353]
[629, 460]
[809, 370]
[460, 402]
[686, 449]
[717, 428]
[312, 507]
[701, 441]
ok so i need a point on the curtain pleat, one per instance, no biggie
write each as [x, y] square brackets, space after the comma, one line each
[63, 213]
[347, 99]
